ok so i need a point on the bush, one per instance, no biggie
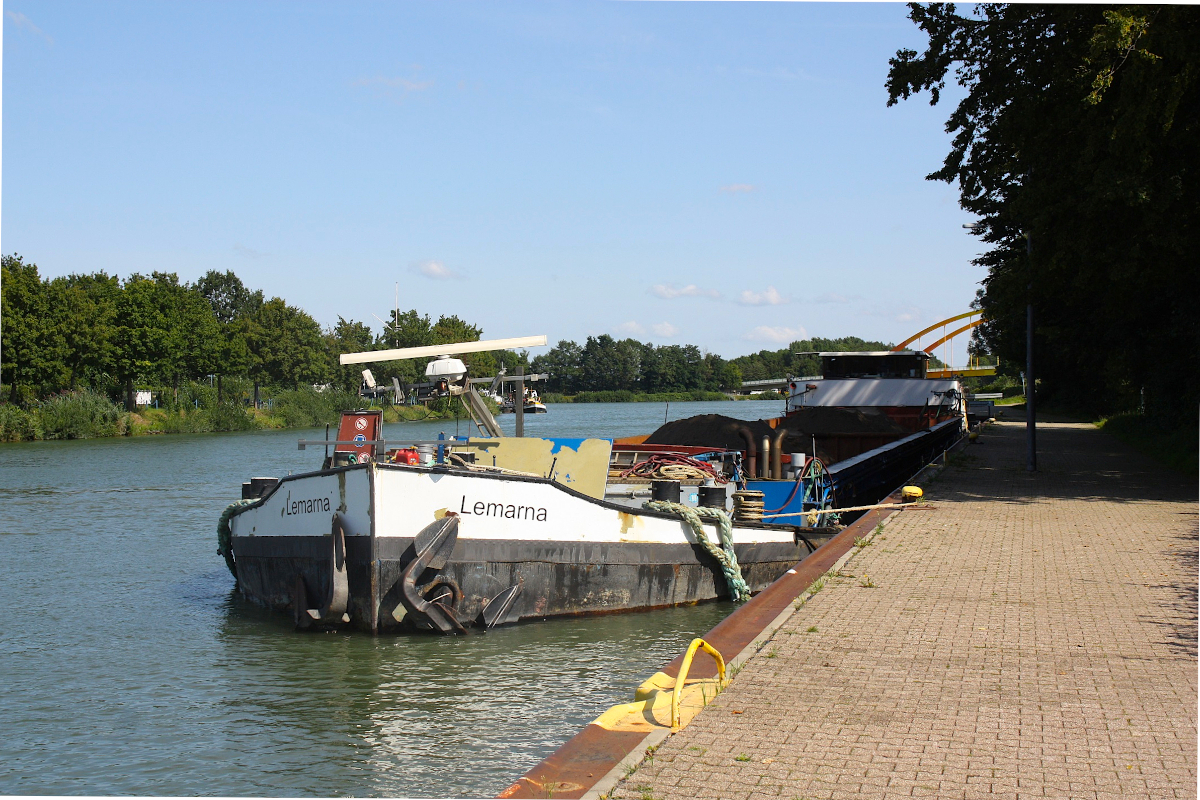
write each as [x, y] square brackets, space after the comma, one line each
[230, 415]
[79, 415]
[158, 420]
[191, 395]
[307, 408]
[18, 425]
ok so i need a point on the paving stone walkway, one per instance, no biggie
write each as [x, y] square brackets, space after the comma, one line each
[1034, 635]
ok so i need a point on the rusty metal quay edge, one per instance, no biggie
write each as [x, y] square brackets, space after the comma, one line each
[592, 754]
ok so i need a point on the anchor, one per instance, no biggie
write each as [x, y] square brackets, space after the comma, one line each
[497, 609]
[433, 603]
[333, 605]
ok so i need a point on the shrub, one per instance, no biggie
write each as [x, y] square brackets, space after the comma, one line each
[79, 415]
[307, 408]
[18, 425]
[230, 415]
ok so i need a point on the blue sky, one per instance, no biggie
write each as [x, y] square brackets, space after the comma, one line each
[719, 174]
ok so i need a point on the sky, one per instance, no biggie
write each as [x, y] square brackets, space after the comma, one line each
[723, 174]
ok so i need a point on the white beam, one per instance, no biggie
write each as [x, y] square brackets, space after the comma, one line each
[441, 350]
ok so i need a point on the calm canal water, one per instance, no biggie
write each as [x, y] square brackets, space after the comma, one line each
[132, 668]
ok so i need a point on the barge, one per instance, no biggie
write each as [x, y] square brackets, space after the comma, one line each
[473, 532]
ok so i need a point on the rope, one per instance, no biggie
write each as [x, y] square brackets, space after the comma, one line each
[225, 534]
[817, 512]
[748, 505]
[674, 467]
[738, 590]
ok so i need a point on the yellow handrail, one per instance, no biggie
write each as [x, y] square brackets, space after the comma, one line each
[683, 671]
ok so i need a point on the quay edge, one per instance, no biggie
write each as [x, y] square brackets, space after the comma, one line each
[596, 758]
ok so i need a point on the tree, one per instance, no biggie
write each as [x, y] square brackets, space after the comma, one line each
[32, 344]
[228, 296]
[193, 341]
[235, 308]
[142, 332]
[288, 346]
[563, 364]
[88, 306]
[347, 337]
[1078, 136]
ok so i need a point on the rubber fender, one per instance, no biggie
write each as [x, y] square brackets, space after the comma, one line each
[912, 493]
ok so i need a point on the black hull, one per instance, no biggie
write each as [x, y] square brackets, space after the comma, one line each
[556, 578]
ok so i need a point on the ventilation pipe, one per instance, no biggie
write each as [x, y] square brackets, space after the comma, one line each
[751, 451]
[777, 454]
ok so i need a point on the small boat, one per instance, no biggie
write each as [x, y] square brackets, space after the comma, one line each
[474, 532]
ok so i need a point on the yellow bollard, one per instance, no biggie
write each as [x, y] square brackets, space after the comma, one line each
[683, 671]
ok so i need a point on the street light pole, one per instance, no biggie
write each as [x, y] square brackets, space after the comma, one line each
[1030, 390]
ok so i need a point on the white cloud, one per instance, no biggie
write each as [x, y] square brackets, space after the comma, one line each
[25, 23]
[764, 333]
[667, 291]
[771, 297]
[394, 89]
[738, 188]
[906, 314]
[436, 270]
[247, 252]
[630, 328]
[664, 329]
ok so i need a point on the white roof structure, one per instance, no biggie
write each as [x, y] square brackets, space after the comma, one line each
[873, 392]
[875, 353]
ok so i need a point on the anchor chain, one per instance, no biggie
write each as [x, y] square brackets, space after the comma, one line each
[724, 554]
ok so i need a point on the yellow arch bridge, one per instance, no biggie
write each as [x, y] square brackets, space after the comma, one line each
[974, 320]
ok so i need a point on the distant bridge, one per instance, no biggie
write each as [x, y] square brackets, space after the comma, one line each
[974, 320]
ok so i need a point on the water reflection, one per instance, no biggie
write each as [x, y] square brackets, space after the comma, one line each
[132, 669]
[421, 715]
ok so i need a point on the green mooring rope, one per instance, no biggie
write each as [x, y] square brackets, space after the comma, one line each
[738, 590]
[225, 534]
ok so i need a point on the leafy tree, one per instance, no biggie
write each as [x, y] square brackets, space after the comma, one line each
[288, 346]
[1076, 145]
[235, 308]
[142, 334]
[193, 341]
[31, 341]
[451, 330]
[563, 363]
[228, 296]
[88, 305]
[347, 337]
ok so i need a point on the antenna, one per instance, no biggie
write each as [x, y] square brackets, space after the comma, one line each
[441, 350]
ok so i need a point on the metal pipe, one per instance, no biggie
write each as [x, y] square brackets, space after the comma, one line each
[519, 402]
[751, 451]
[777, 454]
[765, 468]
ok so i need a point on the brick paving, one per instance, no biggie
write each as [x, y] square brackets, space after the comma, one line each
[1034, 635]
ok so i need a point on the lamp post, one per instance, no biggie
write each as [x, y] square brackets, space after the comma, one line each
[1031, 387]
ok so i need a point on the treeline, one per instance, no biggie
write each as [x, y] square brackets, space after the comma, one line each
[798, 359]
[1077, 146]
[111, 336]
[605, 364]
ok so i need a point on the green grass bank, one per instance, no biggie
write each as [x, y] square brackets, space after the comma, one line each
[88, 415]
